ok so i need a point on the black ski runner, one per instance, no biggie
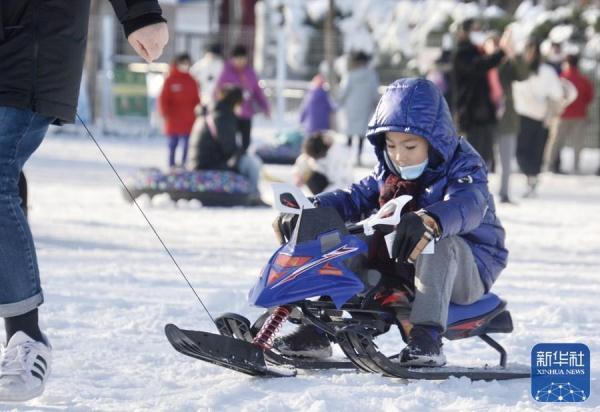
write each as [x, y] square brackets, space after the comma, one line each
[237, 326]
[242, 356]
[362, 351]
[230, 353]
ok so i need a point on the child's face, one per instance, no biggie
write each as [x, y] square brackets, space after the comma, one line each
[406, 149]
[184, 66]
[240, 62]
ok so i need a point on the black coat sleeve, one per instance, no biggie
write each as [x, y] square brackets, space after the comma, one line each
[481, 63]
[468, 61]
[135, 14]
[486, 62]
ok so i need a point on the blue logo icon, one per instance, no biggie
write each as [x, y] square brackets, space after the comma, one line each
[560, 372]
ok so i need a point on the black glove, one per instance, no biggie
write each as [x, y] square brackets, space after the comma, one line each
[284, 226]
[409, 232]
[317, 182]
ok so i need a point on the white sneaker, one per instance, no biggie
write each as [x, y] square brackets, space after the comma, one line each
[24, 368]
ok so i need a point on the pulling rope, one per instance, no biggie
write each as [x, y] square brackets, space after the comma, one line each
[146, 218]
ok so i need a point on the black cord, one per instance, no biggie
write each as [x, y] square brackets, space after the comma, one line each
[145, 217]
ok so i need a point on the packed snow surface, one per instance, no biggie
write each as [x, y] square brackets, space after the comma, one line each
[110, 288]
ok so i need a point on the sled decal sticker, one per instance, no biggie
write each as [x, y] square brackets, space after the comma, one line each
[334, 254]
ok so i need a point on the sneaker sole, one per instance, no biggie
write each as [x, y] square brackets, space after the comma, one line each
[23, 397]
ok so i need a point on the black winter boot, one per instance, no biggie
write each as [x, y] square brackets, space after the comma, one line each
[424, 347]
[306, 341]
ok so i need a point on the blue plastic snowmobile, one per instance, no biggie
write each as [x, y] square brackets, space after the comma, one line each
[317, 277]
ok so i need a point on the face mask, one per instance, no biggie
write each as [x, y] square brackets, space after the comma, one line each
[477, 38]
[555, 57]
[406, 172]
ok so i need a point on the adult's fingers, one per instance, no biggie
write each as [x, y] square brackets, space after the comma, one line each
[150, 41]
[139, 49]
[154, 50]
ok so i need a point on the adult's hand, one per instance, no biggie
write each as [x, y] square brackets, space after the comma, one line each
[149, 41]
[506, 43]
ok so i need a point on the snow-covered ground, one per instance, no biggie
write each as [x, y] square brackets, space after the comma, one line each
[110, 289]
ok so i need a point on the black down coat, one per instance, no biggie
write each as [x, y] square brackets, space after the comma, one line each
[212, 147]
[473, 104]
[42, 47]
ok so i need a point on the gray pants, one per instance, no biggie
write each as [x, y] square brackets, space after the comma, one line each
[506, 146]
[448, 275]
[249, 166]
[566, 132]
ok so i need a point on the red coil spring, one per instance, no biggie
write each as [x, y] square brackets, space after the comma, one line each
[264, 338]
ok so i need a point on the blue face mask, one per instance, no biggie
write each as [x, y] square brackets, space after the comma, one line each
[406, 172]
[413, 172]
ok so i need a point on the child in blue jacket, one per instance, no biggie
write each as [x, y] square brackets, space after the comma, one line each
[421, 155]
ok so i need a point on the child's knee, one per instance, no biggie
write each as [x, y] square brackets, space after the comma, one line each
[467, 293]
[444, 250]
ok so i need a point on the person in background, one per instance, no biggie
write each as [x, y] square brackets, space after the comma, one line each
[554, 56]
[177, 104]
[533, 97]
[316, 109]
[358, 97]
[206, 71]
[501, 79]
[325, 164]
[436, 76]
[475, 110]
[440, 71]
[572, 124]
[214, 144]
[238, 72]
[47, 39]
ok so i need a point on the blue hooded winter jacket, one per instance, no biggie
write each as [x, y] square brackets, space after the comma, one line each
[454, 184]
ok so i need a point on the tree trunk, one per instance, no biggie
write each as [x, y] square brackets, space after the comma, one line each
[330, 47]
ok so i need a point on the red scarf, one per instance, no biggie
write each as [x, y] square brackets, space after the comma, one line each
[379, 258]
[395, 186]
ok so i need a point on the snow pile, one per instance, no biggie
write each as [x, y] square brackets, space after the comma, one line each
[399, 31]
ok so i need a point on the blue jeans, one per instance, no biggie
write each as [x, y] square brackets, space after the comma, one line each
[173, 143]
[249, 166]
[21, 133]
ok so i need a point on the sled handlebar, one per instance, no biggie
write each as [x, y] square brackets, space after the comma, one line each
[355, 228]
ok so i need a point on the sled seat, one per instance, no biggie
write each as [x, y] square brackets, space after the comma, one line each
[487, 315]
[486, 304]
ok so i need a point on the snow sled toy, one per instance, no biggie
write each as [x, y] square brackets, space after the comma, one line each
[211, 187]
[286, 152]
[316, 278]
